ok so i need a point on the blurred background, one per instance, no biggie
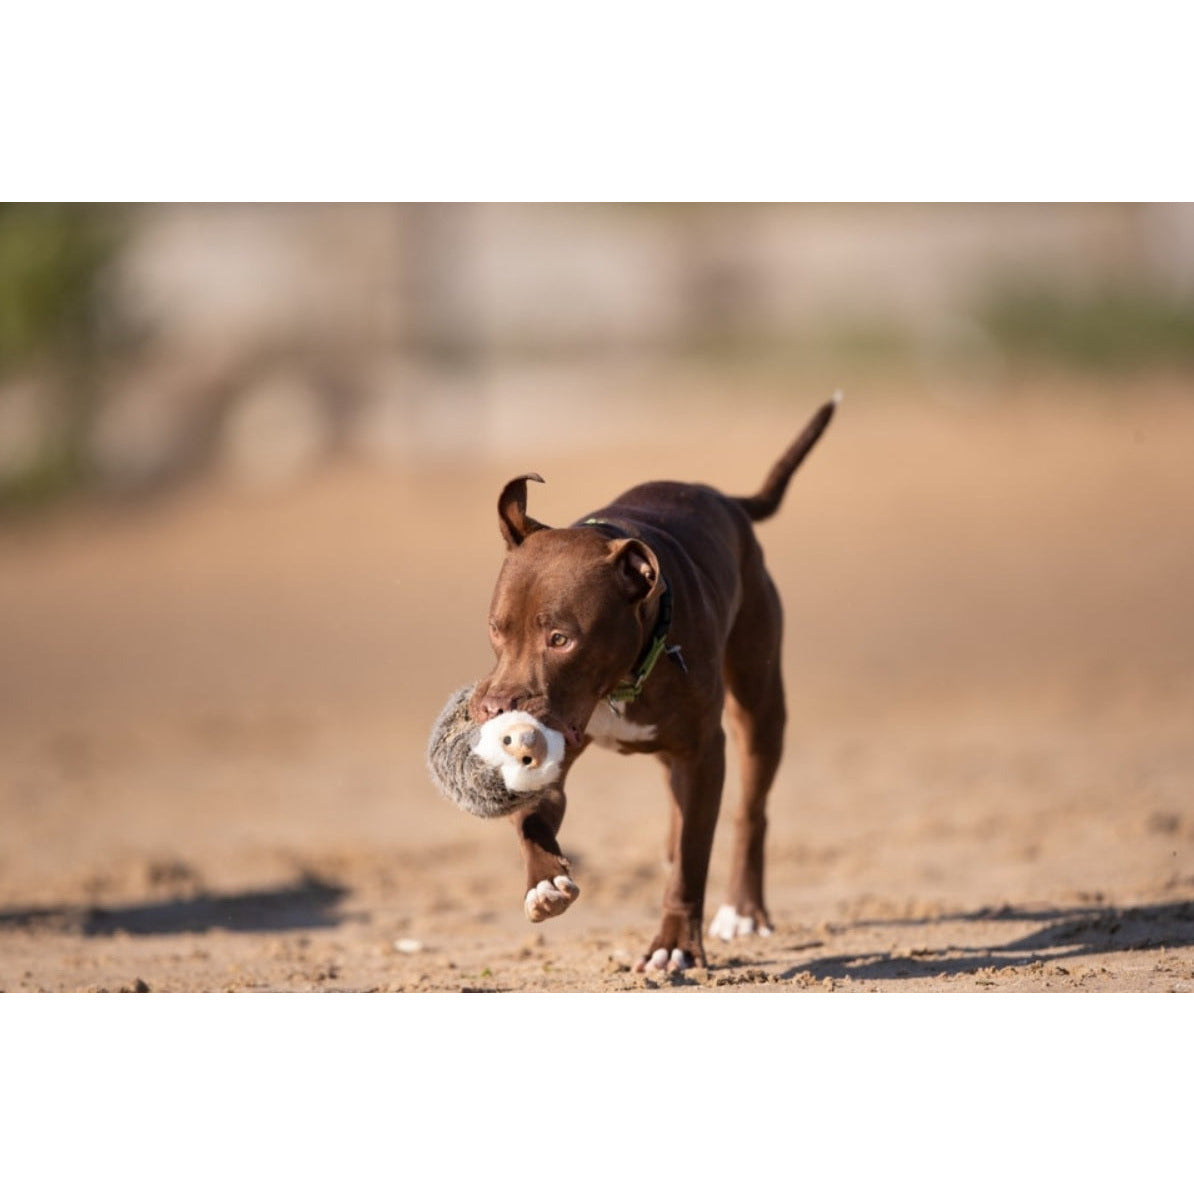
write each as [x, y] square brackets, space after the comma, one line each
[249, 456]
[143, 346]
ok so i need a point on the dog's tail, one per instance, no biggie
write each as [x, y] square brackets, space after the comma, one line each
[765, 503]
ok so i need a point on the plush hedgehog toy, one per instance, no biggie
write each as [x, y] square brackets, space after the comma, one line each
[490, 770]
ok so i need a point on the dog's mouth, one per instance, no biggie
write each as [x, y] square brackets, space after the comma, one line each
[574, 734]
[570, 724]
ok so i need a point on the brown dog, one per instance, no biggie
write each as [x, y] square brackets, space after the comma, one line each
[634, 628]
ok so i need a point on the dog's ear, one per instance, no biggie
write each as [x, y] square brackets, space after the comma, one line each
[637, 567]
[515, 522]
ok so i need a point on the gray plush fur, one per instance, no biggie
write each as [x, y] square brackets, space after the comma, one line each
[463, 777]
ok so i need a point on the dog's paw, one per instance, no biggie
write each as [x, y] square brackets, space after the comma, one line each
[677, 945]
[730, 923]
[661, 959]
[549, 898]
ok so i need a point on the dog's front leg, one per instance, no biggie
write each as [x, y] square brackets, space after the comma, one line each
[549, 887]
[696, 781]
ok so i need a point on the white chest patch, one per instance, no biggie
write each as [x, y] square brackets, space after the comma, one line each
[606, 728]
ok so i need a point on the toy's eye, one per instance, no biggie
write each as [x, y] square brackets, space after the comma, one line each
[557, 639]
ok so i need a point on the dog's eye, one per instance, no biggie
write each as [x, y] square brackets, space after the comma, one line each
[557, 639]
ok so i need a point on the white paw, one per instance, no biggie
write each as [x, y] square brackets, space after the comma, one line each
[728, 924]
[550, 898]
[662, 960]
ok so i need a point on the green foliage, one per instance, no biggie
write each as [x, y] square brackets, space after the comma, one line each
[51, 258]
[1115, 328]
[53, 322]
[56, 472]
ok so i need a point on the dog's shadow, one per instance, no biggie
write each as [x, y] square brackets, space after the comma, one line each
[309, 903]
[1062, 934]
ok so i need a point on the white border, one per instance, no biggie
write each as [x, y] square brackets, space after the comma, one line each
[590, 1092]
[656, 101]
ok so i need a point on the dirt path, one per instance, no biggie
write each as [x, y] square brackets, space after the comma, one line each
[213, 711]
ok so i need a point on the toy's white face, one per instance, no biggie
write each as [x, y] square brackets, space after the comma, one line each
[527, 752]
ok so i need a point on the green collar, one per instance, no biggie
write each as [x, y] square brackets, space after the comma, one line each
[629, 690]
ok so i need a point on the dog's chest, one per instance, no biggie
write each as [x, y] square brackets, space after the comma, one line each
[615, 732]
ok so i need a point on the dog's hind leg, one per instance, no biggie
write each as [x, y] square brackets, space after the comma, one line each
[757, 715]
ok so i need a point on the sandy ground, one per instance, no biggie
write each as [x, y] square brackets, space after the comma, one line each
[213, 712]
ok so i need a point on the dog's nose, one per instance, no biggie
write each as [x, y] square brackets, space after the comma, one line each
[495, 703]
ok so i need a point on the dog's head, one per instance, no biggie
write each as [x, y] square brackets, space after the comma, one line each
[567, 620]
